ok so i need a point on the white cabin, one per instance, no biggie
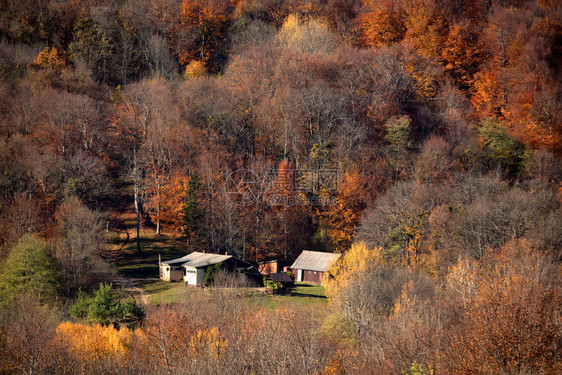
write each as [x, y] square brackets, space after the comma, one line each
[190, 268]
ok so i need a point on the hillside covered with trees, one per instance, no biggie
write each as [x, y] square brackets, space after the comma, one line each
[419, 138]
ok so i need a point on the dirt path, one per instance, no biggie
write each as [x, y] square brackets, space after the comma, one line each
[120, 222]
[130, 285]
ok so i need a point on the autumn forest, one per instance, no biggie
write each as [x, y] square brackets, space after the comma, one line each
[420, 139]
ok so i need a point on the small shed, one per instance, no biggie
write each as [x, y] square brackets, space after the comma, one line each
[310, 266]
[279, 283]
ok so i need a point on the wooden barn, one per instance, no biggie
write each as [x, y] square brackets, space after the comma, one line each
[191, 268]
[310, 266]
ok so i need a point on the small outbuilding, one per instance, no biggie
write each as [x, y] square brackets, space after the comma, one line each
[274, 266]
[191, 268]
[279, 283]
[310, 266]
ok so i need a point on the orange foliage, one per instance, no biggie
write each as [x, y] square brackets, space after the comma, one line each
[341, 218]
[426, 27]
[173, 192]
[195, 69]
[489, 96]
[49, 58]
[462, 53]
[535, 115]
[384, 25]
[202, 26]
[335, 367]
[285, 181]
[512, 318]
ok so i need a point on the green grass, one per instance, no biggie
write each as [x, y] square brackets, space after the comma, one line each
[145, 264]
[303, 295]
[163, 292]
[143, 268]
[309, 291]
[112, 238]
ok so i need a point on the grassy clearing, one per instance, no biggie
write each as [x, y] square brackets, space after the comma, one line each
[145, 264]
[304, 290]
[143, 267]
[303, 295]
[162, 292]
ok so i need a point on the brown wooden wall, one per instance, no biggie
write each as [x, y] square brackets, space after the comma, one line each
[273, 267]
[268, 268]
[314, 277]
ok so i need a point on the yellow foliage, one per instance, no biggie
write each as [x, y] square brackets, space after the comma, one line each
[406, 301]
[195, 69]
[49, 58]
[424, 27]
[462, 279]
[9, 360]
[291, 25]
[207, 341]
[90, 343]
[356, 260]
[305, 37]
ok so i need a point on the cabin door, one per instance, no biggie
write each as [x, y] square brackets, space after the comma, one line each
[190, 276]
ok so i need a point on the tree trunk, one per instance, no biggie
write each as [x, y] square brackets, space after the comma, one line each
[136, 199]
[138, 232]
[158, 208]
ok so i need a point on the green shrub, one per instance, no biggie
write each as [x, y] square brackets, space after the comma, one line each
[106, 307]
[499, 149]
[211, 271]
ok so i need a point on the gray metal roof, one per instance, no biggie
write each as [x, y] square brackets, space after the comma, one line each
[315, 261]
[198, 260]
[176, 261]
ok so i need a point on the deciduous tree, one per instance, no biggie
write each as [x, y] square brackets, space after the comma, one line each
[200, 32]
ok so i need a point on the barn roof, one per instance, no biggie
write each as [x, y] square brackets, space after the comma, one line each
[315, 261]
[197, 260]
[280, 277]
